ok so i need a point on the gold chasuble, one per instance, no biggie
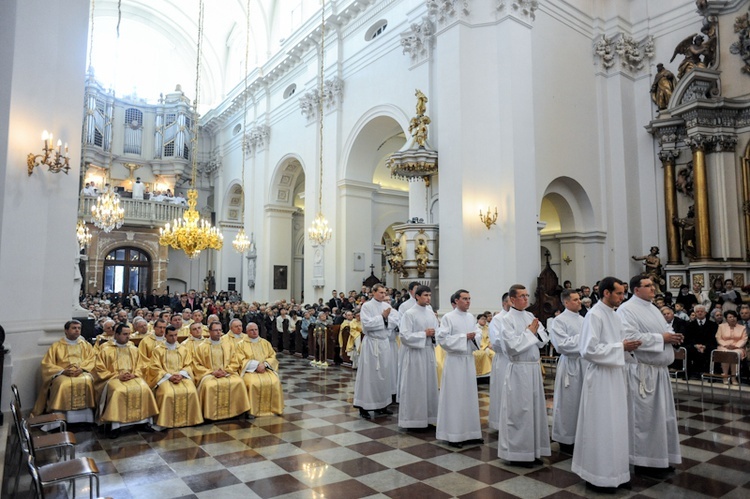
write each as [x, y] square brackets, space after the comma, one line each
[148, 344]
[483, 356]
[230, 337]
[221, 398]
[123, 401]
[178, 402]
[65, 393]
[355, 331]
[191, 344]
[264, 389]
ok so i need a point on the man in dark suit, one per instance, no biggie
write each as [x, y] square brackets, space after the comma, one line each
[335, 301]
[700, 340]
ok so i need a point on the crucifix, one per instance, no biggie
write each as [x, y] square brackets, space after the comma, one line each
[132, 167]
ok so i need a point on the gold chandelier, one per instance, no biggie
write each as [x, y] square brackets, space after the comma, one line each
[319, 232]
[193, 234]
[83, 235]
[241, 243]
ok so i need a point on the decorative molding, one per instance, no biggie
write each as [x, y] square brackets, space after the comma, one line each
[417, 40]
[444, 11]
[669, 155]
[700, 141]
[256, 139]
[742, 46]
[213, 164]
[624, 51]
[333, 97]
[308, 105]
[725, 143]
[521, 8]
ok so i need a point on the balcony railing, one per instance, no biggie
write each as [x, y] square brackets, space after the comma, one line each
[137, 211]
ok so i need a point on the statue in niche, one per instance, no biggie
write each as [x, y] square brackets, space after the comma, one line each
[396, 257]
[418, 124]
[687, 227]
[421, 255]
[698, 52]
[653, 269]
[684, 181]
[663, 86]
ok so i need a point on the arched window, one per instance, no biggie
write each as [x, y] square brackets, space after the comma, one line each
[127, 269]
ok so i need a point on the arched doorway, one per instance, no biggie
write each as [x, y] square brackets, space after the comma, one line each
[127, 269]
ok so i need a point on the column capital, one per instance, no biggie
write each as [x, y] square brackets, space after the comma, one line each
[520, 9]
[669, 155]
[725, 143]
[700, 142]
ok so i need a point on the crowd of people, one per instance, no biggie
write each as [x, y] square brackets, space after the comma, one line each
[612, 406]
[139, 190]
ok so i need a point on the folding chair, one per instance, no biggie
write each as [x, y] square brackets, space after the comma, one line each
[680, 355]
[722, 357]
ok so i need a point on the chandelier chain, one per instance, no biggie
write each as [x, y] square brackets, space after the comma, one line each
[241, 243]
[320, 101]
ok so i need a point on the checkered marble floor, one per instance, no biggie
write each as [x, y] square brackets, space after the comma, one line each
[321, 448]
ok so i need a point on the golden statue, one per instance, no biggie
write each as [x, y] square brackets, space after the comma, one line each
[699, 52]
[663, 86]
[421, 253]
[396, 257]
[418, 124]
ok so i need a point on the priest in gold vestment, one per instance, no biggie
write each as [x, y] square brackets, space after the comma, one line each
[149, 342]
[483, 356]
[195, 338]
[234, 335]
[221, 390]
[171, 377]
[67, 384]
[124, 396]
[260, 373]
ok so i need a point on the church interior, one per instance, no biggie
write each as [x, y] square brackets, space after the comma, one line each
[318, 145]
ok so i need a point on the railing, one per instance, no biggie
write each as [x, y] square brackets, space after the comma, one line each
[137, 211]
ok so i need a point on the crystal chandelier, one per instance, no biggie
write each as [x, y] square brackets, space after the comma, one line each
[83, 235]
[319, 232]
[241, 243]
[106, 213]
[193, 234]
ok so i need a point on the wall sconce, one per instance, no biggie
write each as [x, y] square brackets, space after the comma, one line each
[56, 160]
[83, 235]
[566, 258]
[489, 219]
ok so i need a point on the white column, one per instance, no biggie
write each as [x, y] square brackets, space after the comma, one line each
[356, 220]
[277, 251]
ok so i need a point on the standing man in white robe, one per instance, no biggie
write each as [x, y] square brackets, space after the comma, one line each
[600, 455]
[458, 406]
[373, 386]
[499, 363]
[523, 437]
[654, 440]
[418, 390]
[565, 334]
[401, 311]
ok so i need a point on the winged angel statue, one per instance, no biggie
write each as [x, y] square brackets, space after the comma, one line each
[699, 51]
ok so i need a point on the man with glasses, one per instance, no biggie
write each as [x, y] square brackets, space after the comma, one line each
[523, 436]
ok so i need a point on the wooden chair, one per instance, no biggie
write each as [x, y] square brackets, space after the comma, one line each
[549, 359]
[680, 355]
[52, 419]
[62, 442]
[722, 357]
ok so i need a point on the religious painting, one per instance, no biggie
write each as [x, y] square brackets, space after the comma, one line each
[739, 280]
[675, 281]
[279, 276]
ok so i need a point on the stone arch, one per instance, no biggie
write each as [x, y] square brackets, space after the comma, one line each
[233, 200]
[368, 134]
[572, 204]
[287, 174]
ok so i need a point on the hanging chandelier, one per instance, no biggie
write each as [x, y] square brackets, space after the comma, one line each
[193, 234]
[106, 213]
[319, 232]
[241, 243]
[83, 235]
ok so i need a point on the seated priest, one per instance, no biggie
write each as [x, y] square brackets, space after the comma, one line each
[198, 317]
[171, 378]
[195, 338]
[215, 366]
[125, 398]
[260, 373]
[149, 343]
[108, 336]
[140, 327]
[234, 335]
[67, 385]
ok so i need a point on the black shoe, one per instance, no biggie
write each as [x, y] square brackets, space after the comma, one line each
[522, 464]
[457, 445]
[653, 472]
[147, 428]
[364, 414]
[112, 434]
[383, 412]
[601, 490]
[566, 448]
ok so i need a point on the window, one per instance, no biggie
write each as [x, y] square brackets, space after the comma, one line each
[169, 149]
[290, 90]
[231, 284]
[237, 129]
[127, 269]
[171, 118]
[376, 30]
[98, 138]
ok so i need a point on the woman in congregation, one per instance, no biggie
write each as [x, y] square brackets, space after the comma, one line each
[731, 337]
